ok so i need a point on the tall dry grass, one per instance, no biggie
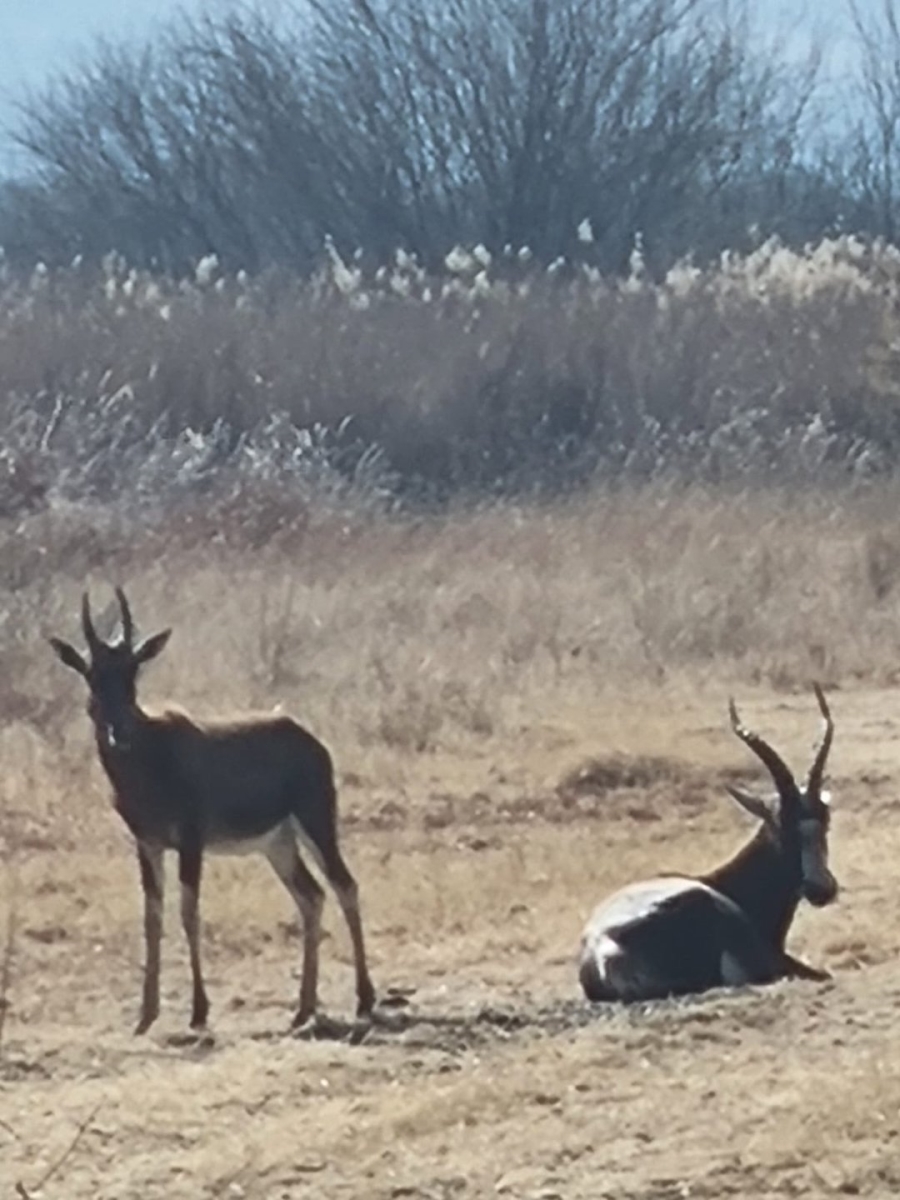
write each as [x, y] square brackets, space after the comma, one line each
[120, 384]
[399, 636]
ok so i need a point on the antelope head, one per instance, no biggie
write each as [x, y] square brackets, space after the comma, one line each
[796, 817]
[110, 671]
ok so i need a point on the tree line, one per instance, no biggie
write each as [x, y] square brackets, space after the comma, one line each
[564, 126]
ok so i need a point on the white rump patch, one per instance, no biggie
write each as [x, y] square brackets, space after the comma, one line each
[605, 952]
[619, 972]
[308, 844]
[616, 972]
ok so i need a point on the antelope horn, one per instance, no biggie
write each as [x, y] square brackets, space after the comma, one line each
[782, 777]
[87, 625]
[817, 770]
[127, 622]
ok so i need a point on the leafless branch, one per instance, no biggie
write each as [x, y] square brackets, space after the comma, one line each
[56, 1166]
[7, 954]
[6, 968]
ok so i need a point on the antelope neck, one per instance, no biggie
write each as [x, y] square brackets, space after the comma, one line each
[759, 880]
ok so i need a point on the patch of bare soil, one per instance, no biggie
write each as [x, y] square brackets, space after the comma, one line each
[636, 787]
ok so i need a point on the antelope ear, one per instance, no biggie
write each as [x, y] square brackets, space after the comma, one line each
[757, 806]
[152, 646]
[69, 656]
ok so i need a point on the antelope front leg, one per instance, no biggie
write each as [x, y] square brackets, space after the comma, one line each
[190, 862]
[795, 969]
[150, 860]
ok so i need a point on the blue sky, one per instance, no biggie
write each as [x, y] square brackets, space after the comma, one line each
[38, 35]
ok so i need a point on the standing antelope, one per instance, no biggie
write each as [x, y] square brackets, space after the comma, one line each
[256, 784]
[677, 934]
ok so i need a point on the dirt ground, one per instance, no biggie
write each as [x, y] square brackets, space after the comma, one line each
[485, 1073]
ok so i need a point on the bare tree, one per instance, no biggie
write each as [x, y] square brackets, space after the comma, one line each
[874, 156]
[387, 123]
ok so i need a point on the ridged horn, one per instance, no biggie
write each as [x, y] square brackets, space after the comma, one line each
[817, 770]
[127, 622]
[87, 624]
[781, 776]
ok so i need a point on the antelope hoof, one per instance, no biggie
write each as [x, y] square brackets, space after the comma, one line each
[366, 1000]
[318, 1027]
[818, 976]
[797, 969]
[304, 1019]
[199, 1011]
[147, 1019]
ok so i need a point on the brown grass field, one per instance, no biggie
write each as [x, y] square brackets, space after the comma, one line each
[527, 707]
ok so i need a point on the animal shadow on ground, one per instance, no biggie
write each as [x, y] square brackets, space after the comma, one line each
[398, 1021]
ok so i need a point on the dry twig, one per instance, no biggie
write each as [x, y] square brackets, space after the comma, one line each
[24, 1193]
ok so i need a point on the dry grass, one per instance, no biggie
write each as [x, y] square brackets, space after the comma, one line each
[397, 638]
[118, 383]
[527, 706]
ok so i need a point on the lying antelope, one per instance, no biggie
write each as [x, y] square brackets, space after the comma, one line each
[233, 787]
[674, 935]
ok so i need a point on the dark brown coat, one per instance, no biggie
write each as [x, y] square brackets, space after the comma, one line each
[259, 784]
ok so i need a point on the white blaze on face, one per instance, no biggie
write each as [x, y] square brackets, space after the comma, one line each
[814, 851]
